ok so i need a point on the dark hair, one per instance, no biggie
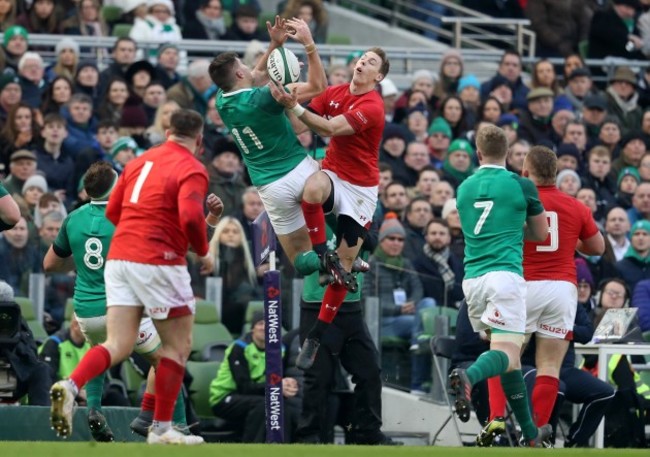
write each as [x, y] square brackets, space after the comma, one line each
[383, 166]
[120, 40]
[542, 163]
[47, 198]
[436, 220]
[49, 105]
[394, 183]
[37, 25]
[385, 64]
[107, 124]
[98, 179]
[247, 11]
[80, 97]
[511, 52]
[9, 131]
[415, 200]
[481, 107]
[54, 118]
[428, 168]
[186, 122]
[221, 70]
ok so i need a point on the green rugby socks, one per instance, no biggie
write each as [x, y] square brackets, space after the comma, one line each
[517, 395]
[94, 391]
[490, 363]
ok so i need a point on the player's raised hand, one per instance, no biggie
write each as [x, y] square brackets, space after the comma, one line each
[215, 205]
[277, 31]
[299, 31]
[287, 99]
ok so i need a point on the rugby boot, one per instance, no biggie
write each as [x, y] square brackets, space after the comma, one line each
[543, 438]
[332, 265]
[462, 389]
[494, 428]
[99, 428]
[62, 396]
[307, 353]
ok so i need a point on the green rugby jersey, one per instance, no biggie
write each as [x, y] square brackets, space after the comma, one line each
[493, 205]
[262, 132]
[86, 235]
[3, 191]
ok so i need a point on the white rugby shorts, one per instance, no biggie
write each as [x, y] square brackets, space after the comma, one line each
[357, 202]
[282, 198]
[551, 308]
[496, 300]
[94, 329]
[163, 290]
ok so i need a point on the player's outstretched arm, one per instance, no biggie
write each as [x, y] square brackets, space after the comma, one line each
[52, 263]
[536, 227]
[594, 245]
[316, 77]
[278, 35]
[9, 212]
[337, 126]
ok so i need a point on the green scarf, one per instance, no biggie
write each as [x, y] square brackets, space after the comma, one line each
[458, 175]
[396, 261]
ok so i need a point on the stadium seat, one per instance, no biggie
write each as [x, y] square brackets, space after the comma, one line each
[204, 335]
[215, 352]
[111, 14]
[202, 375]
[338, 39]
[253, 306]
[206, 313]
[121, 30]
[27, 311]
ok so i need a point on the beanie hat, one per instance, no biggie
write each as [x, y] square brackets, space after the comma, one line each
[35, 181]
[394, 131]
[440, 125]
[124, 142]
[420, 74]
[134, 116]
[583, 273]
[631, 136]
[568, 149]
[563, 174]
[163, 47]
[448, 207]
[419, 108]
[391, 226]
[7, 79]
[468, 81]
[508, 119]
[388, 88]
[461, 145]
[641, 224]
[13, 31]
[628, 171]
[67, 43]
[168, 3]
[256, 317]
[451, 54]
[353, 55]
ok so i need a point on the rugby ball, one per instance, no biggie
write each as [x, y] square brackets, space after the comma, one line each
[283, 66]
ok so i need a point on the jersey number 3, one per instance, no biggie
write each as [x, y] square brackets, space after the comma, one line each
[486, 206]
[554, 239]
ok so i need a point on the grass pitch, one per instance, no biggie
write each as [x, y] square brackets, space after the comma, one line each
[56, 449]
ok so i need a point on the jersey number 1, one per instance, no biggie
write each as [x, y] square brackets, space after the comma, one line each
[486, 206]
[553, 232]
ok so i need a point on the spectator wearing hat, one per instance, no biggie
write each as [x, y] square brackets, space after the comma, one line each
[594, 113]
[449, 75]
[138, 76]
[81, 125]
[134, 123]
[389, 93]
[634, 265]
[622, 99]
[617, 228]
[167, 64]
[159, 25]
[392, 149]
[568, 157]
[206, 23]
[123, 151]
[598, 176]
[613, 32]
[10, 95]
[469, 91]
[510, 124]
[579, 86]
[438, 141]
[535, 123]
[15, 43]
[416, 160]
[641, 199]
[510, 69]
[225, 176]
[123, 54]
[22, 165]
[35, 186]
[632, 150]
[57, 165]
[88, 20]
[86, 80]
[568, 182]
[67, 59]
[154, 96]
[194, 90]
[501, 90]
[459, 162]
[41, 17]
[417, 121]
[392, 278]
[423, 81]
[586, 285]
[627, 181]
[245, 25]
[559, 26]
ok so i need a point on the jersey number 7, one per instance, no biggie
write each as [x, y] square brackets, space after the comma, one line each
[486, 206]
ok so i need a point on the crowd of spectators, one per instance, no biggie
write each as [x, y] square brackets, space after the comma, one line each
[57, 118]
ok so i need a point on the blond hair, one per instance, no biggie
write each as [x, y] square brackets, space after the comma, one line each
[214, 247]
[492, 142]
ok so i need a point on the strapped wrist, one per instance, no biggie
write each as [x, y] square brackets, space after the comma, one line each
[298, 110]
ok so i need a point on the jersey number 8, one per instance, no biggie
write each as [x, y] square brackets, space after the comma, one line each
[93, 257]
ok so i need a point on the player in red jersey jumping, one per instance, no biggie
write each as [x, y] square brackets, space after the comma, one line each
[353, 115]
[157, 209]
[552, 296]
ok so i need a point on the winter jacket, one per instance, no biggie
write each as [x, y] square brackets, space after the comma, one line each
[641, 300]
[79, 137]
[633, 268]
[433, 283]
[559, 24]
[608, 36]
[381, 281]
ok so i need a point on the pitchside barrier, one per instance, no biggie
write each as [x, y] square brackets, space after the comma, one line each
[264, 244]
